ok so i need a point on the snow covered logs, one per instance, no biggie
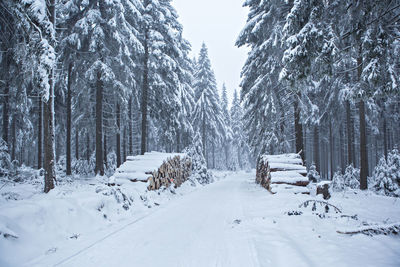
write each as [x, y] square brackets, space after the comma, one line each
[282, 171]
[153, 170]
[175, 171]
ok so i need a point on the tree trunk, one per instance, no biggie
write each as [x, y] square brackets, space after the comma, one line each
[105, 150]
[316, 149]
[331, 143]
[298, 131]
[40, 136]
[87, 146]
[118, 136]
[69, 119]
[363, 134]
[342, 150]
[350, 138]
[363, 149]
[145, 92]
[49, 117]
[124, 146]
[76, 143]
[204, 137]
[178, 141]
[99, 126]
[14, 137]
[385, 137]
[6, 114]
[130, 127]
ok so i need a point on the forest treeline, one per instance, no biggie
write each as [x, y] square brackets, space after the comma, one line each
[322, 79]
[84, 83]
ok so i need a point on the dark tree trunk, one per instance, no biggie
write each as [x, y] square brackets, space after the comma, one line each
[76, 143]
[363, 134]
[87, 146]
[14, 137]
[350, 138]
[99, 126]
[145, 93]
[118, 136]
[178, 141]
[69, 119]
[40, 135]
[331, 143]
[105, 150]
[363, 149]
[316, 149]
[124, 146]
[342, 150]
[385, 137]
[6, 113]
[298, 131]
[130, 127]
[213, 154]
[204, 137]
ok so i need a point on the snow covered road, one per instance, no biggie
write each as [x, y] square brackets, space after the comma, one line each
[233, 222]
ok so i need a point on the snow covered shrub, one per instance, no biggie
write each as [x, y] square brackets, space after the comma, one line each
[386, 177]
[199, 167]
[82, 167]
[5, 160]
[350, 179]
[313, 175]
[111, 163]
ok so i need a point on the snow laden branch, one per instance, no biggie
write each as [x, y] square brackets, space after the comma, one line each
[371, 230]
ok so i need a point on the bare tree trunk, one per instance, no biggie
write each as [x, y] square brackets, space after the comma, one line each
[350, 139]
[331, 142]
[342, 150]
[40, 135]
[14, 137]
[124, 146]
[118, 150]
[105, 150]
[99, 126]
[363, 135]
[145, 92]
[385, 137]
[204, 137]
[69, 119]
[6, 113]
[130, 127]
[178, 141]
[87, 146]
[316, 149]
[76, 143]
[298, 130]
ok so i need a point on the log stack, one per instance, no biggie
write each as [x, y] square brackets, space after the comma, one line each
[174, 171]
[153, 171]
[282, 172]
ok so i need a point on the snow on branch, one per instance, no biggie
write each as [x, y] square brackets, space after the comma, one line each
[321, 203]
[386, 229]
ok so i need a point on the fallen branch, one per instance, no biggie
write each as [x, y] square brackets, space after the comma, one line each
[322, 203]
[374, 230]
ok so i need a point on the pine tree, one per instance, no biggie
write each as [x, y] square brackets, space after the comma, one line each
[207, 115]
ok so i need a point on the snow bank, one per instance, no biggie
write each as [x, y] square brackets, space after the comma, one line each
[78, 210]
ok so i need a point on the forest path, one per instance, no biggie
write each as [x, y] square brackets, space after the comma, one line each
[234, 222]
[198, 229]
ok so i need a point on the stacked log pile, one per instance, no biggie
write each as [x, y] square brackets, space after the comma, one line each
[174, 171]
[153, 171]
[275, 172]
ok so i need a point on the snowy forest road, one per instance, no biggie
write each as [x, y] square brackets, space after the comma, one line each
[234, 222]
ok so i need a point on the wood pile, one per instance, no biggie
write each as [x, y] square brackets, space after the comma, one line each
[174, 171]
[282, 172]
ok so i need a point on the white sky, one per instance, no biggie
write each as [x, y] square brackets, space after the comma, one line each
[217, 23]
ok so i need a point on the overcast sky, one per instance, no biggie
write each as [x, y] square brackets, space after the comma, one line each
[217, 23]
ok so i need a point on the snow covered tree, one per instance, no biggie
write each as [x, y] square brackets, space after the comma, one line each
[207, 115]
[386, 176]
[263, 95]
[199, 166]
[350, 179]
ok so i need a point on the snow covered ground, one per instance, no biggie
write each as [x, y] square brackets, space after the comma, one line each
[232, 222]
